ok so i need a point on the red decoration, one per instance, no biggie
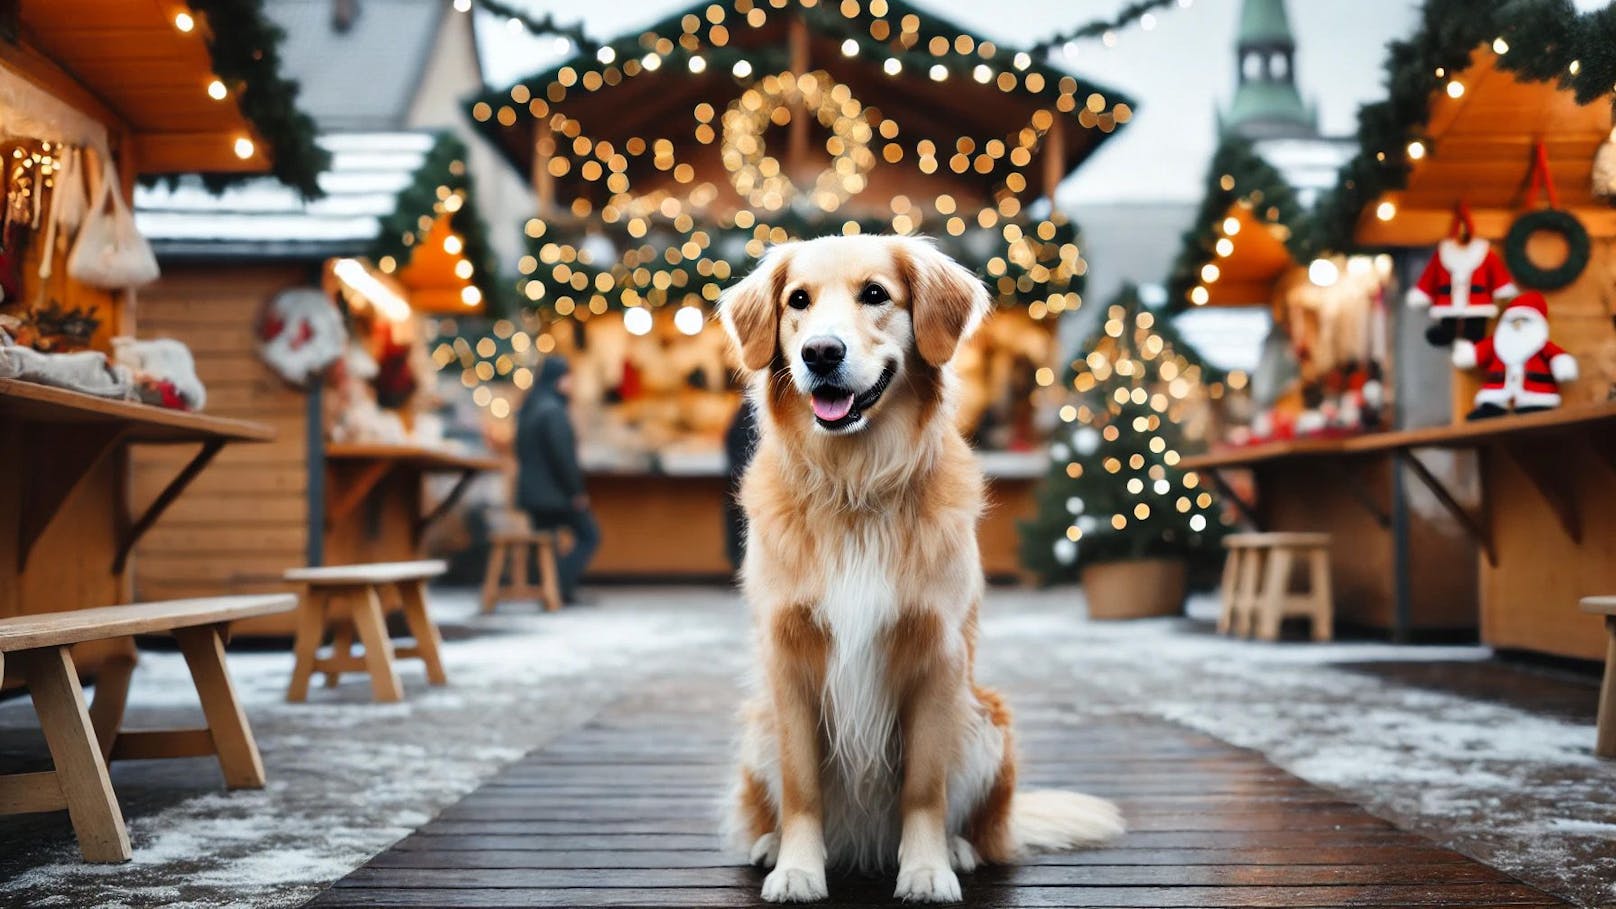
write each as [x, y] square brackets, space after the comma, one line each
[1522, 368]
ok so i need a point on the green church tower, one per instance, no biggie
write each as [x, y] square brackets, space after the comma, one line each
[1267, 104]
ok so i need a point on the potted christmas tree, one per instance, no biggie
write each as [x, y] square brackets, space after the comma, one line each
[1115, 510]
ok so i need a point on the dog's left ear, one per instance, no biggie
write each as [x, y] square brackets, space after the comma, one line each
[946, 301]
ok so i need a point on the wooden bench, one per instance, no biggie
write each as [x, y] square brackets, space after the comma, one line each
[509, 548]
[1605, 744]
[1257, 582]
[348, 600]
[80, 745]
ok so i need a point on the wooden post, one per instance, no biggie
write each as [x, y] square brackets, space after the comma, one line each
[1054, 156]
[543, 181]
[797, 149]
[82, 771]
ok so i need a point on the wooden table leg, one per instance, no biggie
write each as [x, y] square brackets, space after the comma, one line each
[227, 723]
[310, 629]
[371, 623]
[342, 638]
[491, 579]
[427, 640]
[111, 696]
[53, 682]
[1230, 586]
[1276, 588]
[545, 552]
[1605, 745]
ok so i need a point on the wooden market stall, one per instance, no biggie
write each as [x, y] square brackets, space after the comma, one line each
[315, 313]
[666, 160]
[82, 110]
[1516, 505]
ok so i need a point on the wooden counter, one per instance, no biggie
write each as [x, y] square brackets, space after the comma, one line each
[67, 526]
[1542, 528]
[671, 525]
[375, 498]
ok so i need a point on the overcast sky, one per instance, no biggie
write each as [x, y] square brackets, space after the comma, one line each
[1178, 73]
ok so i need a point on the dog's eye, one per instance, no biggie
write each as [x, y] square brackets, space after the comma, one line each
[798, 299]
[874, 294]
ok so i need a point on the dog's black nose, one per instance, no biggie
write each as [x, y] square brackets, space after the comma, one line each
[823, 354]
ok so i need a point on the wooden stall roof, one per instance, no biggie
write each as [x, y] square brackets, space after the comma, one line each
[1248, 275]
[1479, 149]
[803, 39]
[131, 65]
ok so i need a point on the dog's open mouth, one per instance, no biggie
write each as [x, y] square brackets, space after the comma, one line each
[836, 407]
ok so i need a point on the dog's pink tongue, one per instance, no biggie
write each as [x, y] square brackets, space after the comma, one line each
[832, 409]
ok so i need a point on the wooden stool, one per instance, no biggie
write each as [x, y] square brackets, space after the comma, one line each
[348, 597]
[508, 549]
[82, 739]
[1605, 744]
[1257, 579]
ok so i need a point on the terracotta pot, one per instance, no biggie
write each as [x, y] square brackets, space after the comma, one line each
[1135, 589]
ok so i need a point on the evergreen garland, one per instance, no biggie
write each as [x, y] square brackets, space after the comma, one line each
[1542, 40]
[444, 166]
[1128, 15]
[245, 48]
[560, 268]
[1237, 173]
[544, 25]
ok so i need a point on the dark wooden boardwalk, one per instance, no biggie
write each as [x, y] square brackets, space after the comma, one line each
[623, 813]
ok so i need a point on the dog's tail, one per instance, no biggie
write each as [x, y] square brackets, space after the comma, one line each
[1050, 820]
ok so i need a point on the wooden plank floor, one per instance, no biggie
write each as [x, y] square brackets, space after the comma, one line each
[623, 813]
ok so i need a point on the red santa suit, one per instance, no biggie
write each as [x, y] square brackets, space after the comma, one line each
[1522, 367]
[1463, 281]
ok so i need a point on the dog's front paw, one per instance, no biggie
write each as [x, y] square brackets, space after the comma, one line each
[766, 851]
[927, 884]
[963, 855]
[797, 885]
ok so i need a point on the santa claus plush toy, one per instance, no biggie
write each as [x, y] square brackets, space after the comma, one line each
[1523, 368]
[1462, 287]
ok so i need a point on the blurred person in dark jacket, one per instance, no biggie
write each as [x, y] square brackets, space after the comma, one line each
[549, 482]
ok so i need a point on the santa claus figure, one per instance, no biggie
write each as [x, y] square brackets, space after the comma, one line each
[1523, 368]
[1462, 287]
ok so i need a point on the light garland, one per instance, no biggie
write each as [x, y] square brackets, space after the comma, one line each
[760, 177]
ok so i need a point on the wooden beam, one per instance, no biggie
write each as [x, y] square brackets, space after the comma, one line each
[25, 61]
[27, 793]
[544, 186]
[156, 744]
[1054, 158]
[155, 510]
[59, 458]
[1478, 529]
[797, 143]
[449, 501]
[178, 153]
[1552, 481]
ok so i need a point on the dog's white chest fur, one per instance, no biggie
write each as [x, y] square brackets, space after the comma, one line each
[858, 607]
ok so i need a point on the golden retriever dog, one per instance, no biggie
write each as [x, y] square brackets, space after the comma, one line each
[868, 744]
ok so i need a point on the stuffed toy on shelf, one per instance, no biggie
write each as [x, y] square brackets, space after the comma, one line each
[1462, 285]
[1522, 368]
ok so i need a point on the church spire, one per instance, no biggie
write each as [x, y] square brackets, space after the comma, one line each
[1267, 103]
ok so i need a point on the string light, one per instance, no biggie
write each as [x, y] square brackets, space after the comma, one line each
[244, 148]
[217, 91]
[184, 22]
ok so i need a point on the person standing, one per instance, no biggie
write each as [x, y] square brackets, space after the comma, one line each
[549, 482]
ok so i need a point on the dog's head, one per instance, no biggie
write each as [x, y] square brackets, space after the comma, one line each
[849, 322]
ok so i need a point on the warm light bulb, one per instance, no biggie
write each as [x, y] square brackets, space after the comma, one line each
[892, 67]
[1386, 211]
[741, 69]
[637, 321]
[244, 148]
[1416, 150]
[652, 63]
[688, 320]
[1456, 89]
[1199, 296]
[184, 22]
[604, 55]
[939, 72]
[1323, 272]
[1231, 225]
[698, 64]
[850, 48]
[470, 295]
[217, 91]
[452, 245]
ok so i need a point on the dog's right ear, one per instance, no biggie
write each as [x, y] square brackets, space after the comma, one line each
[750, 310]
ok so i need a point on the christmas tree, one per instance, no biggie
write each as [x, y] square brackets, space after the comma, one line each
[1114, 490]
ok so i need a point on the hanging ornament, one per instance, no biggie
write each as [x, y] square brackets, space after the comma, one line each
[1553, 219]
[1522, 369]
[1462, 285]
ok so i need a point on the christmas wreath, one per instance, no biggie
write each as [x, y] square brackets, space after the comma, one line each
[1552, 220]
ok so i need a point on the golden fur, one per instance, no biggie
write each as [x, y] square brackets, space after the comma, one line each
[868, 742]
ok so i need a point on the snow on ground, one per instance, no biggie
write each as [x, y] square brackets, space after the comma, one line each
[347, 778]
